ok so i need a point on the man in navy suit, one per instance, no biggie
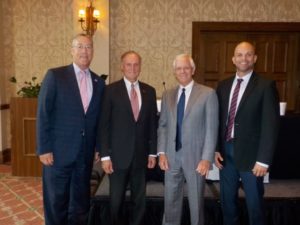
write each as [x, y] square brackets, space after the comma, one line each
[249, 123]
[68, 112]
[128, 138]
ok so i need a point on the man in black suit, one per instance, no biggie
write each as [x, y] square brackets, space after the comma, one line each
[68, 112]
[128, 137]
[249, 123]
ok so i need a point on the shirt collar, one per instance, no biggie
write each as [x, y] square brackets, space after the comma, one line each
[77, 70]
[187, 87]
[128, 83]
[245, 78]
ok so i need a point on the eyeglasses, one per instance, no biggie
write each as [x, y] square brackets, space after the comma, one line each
[81, 47]
[183, 68]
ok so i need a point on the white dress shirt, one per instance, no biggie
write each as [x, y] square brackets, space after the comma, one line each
[137, 89]
[188, 89]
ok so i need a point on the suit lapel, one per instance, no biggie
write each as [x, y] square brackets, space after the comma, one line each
[251, 85]
[143, 92]
[174, 98]
[95, 85]
[226, 93]
[192, 99]
[71, 76]
[123, 94]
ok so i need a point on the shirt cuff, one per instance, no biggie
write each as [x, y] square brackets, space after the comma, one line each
[152, 155]
[263, 164]
[105, 158]
[160, 153]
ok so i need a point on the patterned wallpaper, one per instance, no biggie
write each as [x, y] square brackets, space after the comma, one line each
[35, 37]
[160, 29]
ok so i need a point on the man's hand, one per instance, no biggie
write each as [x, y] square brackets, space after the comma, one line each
[96, 157]
[259, 170]
[47, 159]
[151, 162]
[107, 166]
[163, 162]
[203, 167]
[218, 160]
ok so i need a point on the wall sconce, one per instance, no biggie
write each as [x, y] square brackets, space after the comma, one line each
[89, 18]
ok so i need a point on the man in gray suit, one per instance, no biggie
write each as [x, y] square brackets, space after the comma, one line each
[187, 136]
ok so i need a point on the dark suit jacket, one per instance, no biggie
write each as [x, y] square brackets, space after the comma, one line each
[256, 122]
[62, 126]
[120, 136]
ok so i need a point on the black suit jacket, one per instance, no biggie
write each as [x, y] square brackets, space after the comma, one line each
[120, 136]
[256, 122]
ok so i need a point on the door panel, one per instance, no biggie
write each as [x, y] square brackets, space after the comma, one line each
[277, 47]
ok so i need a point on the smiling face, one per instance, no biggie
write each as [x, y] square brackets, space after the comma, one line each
[183, 70]
[82, 51]
[131, 66]
[244, 58]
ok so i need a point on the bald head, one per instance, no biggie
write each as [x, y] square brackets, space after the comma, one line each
[244, 58]
[245, 44]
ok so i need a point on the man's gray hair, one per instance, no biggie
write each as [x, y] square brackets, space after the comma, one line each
[184, 56]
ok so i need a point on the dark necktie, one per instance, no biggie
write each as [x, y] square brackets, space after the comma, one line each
[180, 113]
[232, 109]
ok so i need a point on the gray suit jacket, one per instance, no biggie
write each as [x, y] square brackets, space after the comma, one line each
[199, 128]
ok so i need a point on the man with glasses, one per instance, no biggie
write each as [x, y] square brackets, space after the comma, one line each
[68, 112]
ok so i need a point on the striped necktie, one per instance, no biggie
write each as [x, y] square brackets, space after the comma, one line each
[232, 109]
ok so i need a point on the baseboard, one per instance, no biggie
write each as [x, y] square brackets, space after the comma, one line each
[5, 156]
[4, 106]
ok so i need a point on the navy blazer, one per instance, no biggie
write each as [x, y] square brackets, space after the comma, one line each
[256, 122]
[62, 126]
[121, 137]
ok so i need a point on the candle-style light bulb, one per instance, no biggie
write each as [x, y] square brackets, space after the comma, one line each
[96, 14]
[81, 13]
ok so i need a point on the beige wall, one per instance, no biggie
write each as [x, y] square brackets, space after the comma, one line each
[160, 29]
[35, 36]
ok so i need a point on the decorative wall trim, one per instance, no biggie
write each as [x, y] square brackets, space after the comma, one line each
[4, 106]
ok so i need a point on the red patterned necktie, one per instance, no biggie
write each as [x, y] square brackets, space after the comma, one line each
[134, 102]
[84, 90]
[232, 109]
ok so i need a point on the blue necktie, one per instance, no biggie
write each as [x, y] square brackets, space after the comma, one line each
[180, 113]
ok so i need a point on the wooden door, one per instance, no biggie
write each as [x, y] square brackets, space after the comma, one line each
[277, 47]
[25, 162]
